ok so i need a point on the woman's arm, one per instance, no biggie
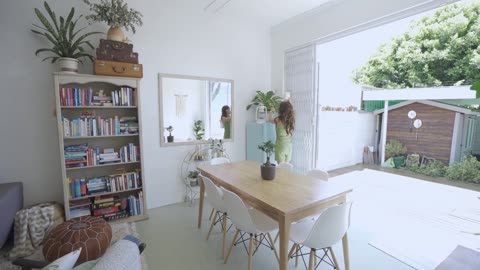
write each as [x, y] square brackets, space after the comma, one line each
[271, 119]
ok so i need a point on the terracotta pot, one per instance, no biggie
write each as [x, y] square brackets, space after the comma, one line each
[268, 172]
[116, 34]
[68, 65]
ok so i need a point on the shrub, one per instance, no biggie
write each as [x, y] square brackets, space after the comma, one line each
[394, 148]
[468, 170]
[434, 169]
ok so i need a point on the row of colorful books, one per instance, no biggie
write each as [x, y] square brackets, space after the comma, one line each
[80, 155]
[99, 126]
[75, 97]
[81, 187]
[109, 207]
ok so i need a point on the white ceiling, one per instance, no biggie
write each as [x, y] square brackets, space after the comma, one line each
[269, 12]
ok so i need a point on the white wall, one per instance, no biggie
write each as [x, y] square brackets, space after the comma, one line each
[342, 137]
[177, 37]
[332, 18]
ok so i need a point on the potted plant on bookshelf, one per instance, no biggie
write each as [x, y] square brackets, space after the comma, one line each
[193, 178]
[198, 129]
[267, 169]
[117, 15]
[169, 137]
[68, 45]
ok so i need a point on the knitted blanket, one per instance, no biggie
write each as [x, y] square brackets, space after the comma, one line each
[30, 228]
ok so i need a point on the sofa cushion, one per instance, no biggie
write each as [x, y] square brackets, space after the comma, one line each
[64, 263]
[116, 259]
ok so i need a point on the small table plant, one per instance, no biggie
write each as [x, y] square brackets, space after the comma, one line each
[169, 137]
[193, 176]
[267, 169]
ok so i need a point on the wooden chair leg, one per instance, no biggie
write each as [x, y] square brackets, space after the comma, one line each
[211, 226]
[250, 253]
[315, 258]
[224, 227]
[334, 258]
[276, 238]
[273, 247]
[211, 214]
[296, 255]
[294, 247]
[310, 263]
[231, 246]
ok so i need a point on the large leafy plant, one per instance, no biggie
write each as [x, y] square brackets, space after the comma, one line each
[62, 33]
[115, 13]
[268, 147]
[394, 148]
[268, 99]
[198, 129]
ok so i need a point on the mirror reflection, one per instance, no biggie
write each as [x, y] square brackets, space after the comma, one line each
[194, 108]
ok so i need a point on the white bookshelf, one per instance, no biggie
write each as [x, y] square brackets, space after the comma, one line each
[108, 84]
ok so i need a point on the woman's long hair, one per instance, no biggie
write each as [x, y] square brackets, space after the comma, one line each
[286, 115]
[224, 110]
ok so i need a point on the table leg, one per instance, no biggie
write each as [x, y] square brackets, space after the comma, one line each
[345, 252]
[200, 205]
[284, 232]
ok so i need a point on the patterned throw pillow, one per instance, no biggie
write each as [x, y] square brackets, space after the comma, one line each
[64, 263]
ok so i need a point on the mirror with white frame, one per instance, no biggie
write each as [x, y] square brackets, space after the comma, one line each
[185, 100]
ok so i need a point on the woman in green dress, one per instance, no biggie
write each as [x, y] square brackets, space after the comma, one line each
[284, 126]
[226, 120]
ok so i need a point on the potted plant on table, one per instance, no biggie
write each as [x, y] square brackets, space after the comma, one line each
[198, 129]
[267, 169]
[68, 45]
[117, 15]
[193, 177]
[169, 137]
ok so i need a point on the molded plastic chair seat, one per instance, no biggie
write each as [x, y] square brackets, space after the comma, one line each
[262, 222]
[299, 231]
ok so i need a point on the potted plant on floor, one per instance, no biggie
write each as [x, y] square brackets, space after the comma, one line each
[397, 151]
[198, 129]
[267, 169]
[117, 15]
[169, 137]
[68, 45]
[193, 178]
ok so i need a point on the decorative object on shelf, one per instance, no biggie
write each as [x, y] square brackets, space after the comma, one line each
[117, 15]
[268, 99]
[198, 129]
[267, 169]
[216, 148]
[110, 68]
[193, 177]
[169, 137]
[69, 46]
[115, 51]
[261, 114]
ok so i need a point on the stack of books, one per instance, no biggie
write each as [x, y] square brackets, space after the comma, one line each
[77, 188]
[76, 155]
[108, 156]
[80, 208]
[130, 153]
[109, 207]
[81, 187]
[126, 96]
[128, 125]
[96, 186]
[102, 100]
[135, 204]
[92, 126]
[76, 97]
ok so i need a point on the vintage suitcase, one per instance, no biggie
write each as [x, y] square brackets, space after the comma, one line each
[115, 46]
[109, 68]
[118, 56]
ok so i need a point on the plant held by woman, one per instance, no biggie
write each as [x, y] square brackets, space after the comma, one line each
[115, 13]
[268, 99]
[66, 39]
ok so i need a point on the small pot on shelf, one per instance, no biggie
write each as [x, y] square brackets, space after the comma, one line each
[68, 65]
[170, 138]
[193, 182]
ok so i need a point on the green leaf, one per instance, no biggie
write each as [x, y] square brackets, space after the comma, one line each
[45, 23]
[476, 87]
[51, 13]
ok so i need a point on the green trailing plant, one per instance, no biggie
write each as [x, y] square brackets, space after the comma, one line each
[115, 13]
[193, 174]
[468, 170]
[198, 129]
[268, 148]
[434, 169]
[268, 99]
[67, 41]
[394, 148]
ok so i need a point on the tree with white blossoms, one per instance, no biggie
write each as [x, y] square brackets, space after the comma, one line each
[441, 49]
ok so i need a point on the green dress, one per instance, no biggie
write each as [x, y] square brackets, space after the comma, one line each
[283, 145]
[227, 125]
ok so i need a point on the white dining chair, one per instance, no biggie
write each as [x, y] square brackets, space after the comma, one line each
[251, 225]
[215, 199]
[319, 174]
[219, 160]
[320, 234]
[286, 166]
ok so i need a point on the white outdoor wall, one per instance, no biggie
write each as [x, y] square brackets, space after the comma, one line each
[177, 37]
[332, 18]
[342, 137]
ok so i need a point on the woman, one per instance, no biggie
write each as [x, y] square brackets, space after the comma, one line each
[226, 121]
[284, 125]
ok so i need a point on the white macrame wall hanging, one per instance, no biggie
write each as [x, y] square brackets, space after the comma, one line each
[180, 105]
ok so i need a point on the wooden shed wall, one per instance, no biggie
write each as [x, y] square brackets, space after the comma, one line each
[435, 135]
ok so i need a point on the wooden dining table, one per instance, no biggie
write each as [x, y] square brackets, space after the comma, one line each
[287, 198]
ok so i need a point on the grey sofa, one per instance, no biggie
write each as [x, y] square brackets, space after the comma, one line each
[11, 200]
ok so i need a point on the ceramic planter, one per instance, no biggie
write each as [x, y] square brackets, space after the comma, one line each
[116, 34]
[68, 65]
[268, 172]
[170, 138]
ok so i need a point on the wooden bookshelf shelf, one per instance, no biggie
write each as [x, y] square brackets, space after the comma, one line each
[97, 137]
[98, 107]
[104, 165]
[105, 193]
[83, 89]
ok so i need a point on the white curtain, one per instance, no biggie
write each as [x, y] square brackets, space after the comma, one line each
[301, 82]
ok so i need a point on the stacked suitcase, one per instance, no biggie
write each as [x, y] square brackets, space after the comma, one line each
[117, 59]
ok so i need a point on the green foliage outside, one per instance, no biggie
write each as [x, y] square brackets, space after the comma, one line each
[468, 170]
[434, 169]
[198, 129]
[268, 147]
[440, 49]
[66, 40]
[394, 148]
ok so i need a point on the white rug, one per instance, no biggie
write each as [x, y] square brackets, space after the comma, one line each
[417, 222]
[118, 232]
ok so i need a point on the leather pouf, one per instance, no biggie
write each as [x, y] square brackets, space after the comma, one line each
[92, 234]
